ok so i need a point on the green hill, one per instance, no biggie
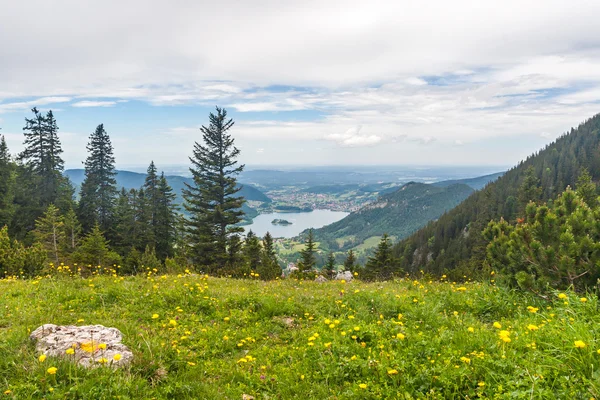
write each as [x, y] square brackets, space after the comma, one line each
[455, 240]
[398, 214]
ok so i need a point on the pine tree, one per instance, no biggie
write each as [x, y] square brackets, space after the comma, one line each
[350, 262]
[252, 251]
[269, 267]
[214, 210]
[381, 264]
[124, 222]
[307, 255]
[235, 255]
[165, 219]
[329, 267]
[49, 232]
[98, 190]
[143, 220]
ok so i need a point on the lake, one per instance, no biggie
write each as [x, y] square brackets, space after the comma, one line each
[300, 221]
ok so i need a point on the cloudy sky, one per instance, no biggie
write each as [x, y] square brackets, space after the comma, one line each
[308, 82]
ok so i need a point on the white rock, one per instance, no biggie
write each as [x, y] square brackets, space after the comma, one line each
[86, 341]
[320, 279]
[345, 275]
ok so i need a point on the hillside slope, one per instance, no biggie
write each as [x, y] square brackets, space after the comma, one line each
[455, 240]
[398, 214]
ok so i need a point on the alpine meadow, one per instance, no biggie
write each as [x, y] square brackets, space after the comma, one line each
[300, 200]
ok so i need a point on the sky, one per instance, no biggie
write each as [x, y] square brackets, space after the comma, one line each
[426, 82]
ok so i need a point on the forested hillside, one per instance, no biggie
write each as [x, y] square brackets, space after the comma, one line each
[398, 214]
[476, 183]
[455, 240]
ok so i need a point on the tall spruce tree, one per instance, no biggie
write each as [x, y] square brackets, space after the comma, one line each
[211, 202]
[151, 189]
[307, 255]
[98, 190]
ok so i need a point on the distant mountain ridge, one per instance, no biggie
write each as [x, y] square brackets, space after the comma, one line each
[134, 180]
[476, 183]
[398, 214]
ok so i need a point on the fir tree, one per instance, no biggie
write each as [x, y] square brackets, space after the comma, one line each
[307, 255]
[214, 210]
[49, 232]
[530, 189]
[329, 267]
[151, 189]
[350, 262]
[98, 190]
[143, 219]
[381, 264]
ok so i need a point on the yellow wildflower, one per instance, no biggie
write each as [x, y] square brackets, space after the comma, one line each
[532, 327]
[392, 372]
[471, 329]
[102, 346]
[362, 385]
[580, 344]
[497, 325]
[42, 358]
[154, 316]
[70, 351]
[52, 370]
[562, 296]
[117, 357]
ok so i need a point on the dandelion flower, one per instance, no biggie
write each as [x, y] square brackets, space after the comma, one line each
[70, 351]
[580, 344]
[583, 299]
[42, 358]
[562, 296]
[471, 329]
[392, 372]
[52, 370]
[497, 325]
[154, 316]
[532, 309]
[532, 327]
[117, 357]
[362, 385]
[102, 346]
[400, 336]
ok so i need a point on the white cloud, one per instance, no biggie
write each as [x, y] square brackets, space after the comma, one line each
[432, 73]
[87, 103]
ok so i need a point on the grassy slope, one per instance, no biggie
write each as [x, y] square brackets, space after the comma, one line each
[218, 322]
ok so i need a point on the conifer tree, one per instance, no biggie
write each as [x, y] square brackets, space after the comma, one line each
[350, 262]
[381, 264]
[252, 251]
[530, 189]
[329, 267]
[307, 255]
[124, 222]
[98, 190]
[269, 267]
[235, 256]
[49, 232]
[143, 235]
[211, 202]
[151, 190]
